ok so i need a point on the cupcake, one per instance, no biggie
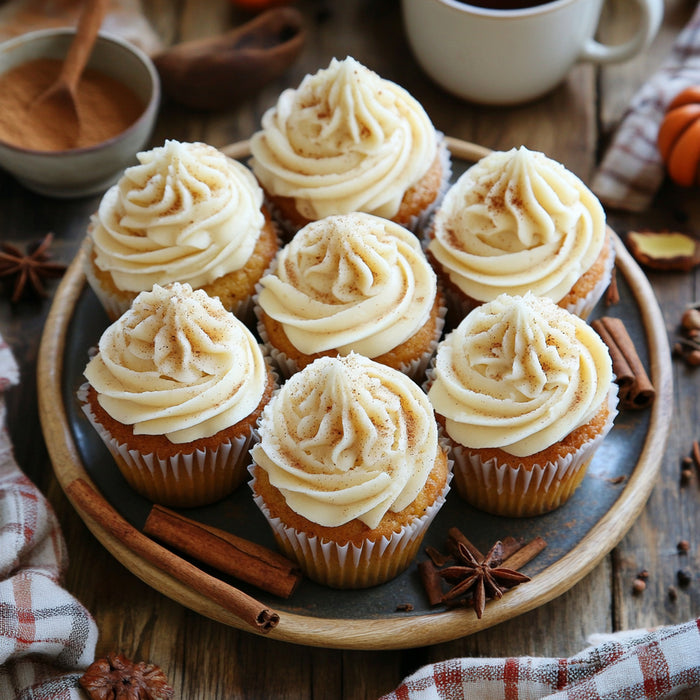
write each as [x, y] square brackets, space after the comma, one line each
[348, 470]
[524, 391]
[348, 140]
[187, 213]
[351, 283]
[518, 221]
[175, 390]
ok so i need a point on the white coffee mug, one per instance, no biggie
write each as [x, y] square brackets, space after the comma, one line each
[512, 56]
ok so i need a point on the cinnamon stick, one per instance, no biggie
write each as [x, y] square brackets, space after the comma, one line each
[509, 546]
[454, 535]
[241, 558]
[432, 583]
[635, 387]
[612, 293]
[249, 610]
[437, 557]
[524, 554]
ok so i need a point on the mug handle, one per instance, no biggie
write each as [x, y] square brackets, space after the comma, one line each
[651, 14]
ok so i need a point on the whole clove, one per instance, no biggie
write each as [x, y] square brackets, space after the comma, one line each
[684, 577]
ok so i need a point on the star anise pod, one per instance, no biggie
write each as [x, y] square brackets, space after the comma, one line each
[118, 678]
[483, 580]
[29, 268]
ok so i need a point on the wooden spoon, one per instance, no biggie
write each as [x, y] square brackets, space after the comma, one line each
[57, 104]
[216, 72]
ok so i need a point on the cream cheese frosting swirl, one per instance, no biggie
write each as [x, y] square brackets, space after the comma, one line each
[178, 364]
[517, 221]
[350, 282]
[344, 140]
[185, 213]
[519, 374]
[347, 438]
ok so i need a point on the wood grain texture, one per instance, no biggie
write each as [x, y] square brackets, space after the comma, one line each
[205, 659]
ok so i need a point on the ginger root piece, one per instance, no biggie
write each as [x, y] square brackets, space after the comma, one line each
[664, 250]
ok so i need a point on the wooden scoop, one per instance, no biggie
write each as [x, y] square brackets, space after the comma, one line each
[216, 72]
[57, 104]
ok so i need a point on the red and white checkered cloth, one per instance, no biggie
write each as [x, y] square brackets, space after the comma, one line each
[637, 665]
[632, 170]
[47, 638]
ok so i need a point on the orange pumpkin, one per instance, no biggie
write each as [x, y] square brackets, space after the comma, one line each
[678, 139]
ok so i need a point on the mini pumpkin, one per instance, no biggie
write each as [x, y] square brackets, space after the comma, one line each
[678, 139]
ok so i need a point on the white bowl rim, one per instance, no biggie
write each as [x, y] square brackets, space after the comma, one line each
[151, 105]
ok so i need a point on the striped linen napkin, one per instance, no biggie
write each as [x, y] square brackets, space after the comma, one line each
[632, 170]
[47, 638]
[633, 665]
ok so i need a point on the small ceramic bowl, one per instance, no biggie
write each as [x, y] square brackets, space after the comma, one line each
[83, 171]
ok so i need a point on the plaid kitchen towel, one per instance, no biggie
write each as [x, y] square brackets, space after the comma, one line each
[632, 665]
[46, 636]
[632, 170]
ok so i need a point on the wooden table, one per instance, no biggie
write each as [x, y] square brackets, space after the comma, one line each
[206, 659]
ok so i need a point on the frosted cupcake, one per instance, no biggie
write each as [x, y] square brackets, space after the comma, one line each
[175, 390]
[347, 283]
[518, 221]
[348, 470]
[348, 140]
[525, 392]
[187, 213]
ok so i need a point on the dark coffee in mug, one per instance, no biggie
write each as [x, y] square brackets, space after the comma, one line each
[506, 4]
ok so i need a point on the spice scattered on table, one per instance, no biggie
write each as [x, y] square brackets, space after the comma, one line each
[29, 270]
[686, 470]
[687, 346]
[639, 585]
[118, 678]
[640, 582]
[684, 577]
[683, 547]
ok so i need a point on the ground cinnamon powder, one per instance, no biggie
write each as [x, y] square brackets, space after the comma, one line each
[106, 107]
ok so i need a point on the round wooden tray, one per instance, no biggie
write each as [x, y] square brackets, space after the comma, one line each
[618, 483]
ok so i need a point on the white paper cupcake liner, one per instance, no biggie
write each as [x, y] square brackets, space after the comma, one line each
[193, 478]
[515, 491]
[350, 565]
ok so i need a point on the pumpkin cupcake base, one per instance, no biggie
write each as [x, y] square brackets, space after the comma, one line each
[353, 556]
